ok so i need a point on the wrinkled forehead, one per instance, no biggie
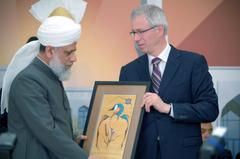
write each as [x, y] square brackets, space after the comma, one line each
[139, 22]
[68, 48]
[206, 125]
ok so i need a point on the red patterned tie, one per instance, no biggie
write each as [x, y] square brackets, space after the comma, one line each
[156, 74]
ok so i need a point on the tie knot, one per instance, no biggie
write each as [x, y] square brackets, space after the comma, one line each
[156, 61]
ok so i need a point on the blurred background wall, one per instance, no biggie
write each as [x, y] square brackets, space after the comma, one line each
[210, 27]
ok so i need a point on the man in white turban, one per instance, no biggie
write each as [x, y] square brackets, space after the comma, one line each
[38, 108]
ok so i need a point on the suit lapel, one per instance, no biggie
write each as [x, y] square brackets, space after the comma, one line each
[171, 67]
[170, 70]
[143, 70]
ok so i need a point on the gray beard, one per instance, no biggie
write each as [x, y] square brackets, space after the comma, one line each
[62, 72]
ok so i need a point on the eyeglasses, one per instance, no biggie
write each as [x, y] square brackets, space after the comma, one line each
[140, 32]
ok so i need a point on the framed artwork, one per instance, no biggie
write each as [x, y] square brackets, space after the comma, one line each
[114, 119]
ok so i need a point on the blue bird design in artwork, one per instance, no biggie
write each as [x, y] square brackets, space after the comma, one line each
[118, 110]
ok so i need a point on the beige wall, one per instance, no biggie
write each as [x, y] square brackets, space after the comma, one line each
[105, 44]
[210, 27]
[16, 26]
[104, 47]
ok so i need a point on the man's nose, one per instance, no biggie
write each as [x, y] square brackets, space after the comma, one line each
[73, 58]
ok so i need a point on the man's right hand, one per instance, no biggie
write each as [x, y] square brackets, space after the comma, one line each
[79, 138]
[93, 157]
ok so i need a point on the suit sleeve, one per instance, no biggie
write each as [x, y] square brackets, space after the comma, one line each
[122, 76]
[204, 105]
[29, 99]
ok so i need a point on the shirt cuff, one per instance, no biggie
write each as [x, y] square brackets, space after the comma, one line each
[171, 110]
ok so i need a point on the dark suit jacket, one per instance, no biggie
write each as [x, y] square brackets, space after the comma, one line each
[187, 84]
[39, 114]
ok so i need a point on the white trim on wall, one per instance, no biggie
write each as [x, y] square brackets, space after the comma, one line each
[155, 2]
[227, 85]
[226, 82]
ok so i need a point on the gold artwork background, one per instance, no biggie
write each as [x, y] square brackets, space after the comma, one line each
[113, 125]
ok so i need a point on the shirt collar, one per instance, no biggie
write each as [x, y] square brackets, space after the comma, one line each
[42, 61]
[163, 55]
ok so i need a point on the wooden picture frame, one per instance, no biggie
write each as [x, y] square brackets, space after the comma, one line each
[114, 119]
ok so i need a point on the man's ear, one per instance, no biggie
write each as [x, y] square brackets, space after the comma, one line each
[160, 29]
[49, 52]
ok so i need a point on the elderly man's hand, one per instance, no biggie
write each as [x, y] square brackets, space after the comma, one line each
[93, 157]
[79, 138]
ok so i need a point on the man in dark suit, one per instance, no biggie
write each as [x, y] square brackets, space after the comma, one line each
[181, 94]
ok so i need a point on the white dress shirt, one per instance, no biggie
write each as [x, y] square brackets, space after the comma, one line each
[164, 57]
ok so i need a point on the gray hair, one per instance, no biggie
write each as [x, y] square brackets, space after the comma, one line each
[154, 15]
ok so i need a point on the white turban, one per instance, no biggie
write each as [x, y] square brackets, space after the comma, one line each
[56, 31]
